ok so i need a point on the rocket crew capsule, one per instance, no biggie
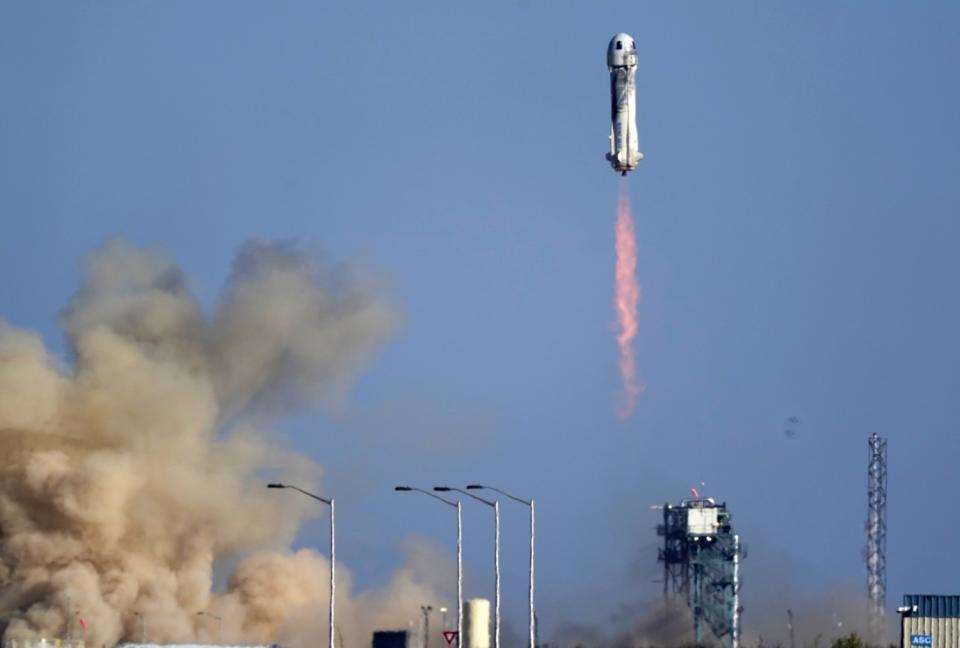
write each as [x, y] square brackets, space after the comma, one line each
[624, 152]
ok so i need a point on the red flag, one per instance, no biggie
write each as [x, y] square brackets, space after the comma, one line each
[695, 492]
[83, 624]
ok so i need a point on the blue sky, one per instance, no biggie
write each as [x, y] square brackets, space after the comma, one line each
[796, 223]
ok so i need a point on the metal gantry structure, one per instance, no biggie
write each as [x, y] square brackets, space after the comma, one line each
[876, 534]
[701, 566]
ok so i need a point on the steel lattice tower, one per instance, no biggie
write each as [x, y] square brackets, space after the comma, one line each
[877, 534]
[701, 566]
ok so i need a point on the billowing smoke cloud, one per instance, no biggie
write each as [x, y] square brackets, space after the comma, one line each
[130, 467]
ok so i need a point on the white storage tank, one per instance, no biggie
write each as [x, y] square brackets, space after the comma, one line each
[476, 623]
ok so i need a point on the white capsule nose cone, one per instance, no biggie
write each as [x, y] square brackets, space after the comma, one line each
[622, 51]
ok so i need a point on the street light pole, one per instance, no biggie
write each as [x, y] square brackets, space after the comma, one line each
[496, 570]
[426, 609]
[456, 504]
[495, 505]
[333, 568]
[531, 504]
[333, 552]
[69, 617]
[459, 574]
[143, 626]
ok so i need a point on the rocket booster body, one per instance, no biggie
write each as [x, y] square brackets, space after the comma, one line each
[624, 152]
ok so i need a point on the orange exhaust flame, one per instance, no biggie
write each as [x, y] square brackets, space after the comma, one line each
[626, 300]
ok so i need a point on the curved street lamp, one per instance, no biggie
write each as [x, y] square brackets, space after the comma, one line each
[495, 505]
[531, 504]
[456, 505]
[333, 549]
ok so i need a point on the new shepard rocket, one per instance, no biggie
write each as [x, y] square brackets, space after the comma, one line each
[624, 152]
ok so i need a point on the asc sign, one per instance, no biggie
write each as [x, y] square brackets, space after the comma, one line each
[921, 640]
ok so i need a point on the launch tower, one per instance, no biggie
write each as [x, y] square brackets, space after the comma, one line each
[701, 565]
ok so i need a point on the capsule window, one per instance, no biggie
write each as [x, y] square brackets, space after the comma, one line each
[619, 45]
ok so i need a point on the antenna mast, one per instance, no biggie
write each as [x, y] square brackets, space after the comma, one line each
[877, 534]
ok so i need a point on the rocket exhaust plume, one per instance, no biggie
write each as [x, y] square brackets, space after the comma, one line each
[626, 299]
[129, 467]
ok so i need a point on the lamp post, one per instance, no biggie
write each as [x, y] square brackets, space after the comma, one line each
[143, 626]
[905, 611]
[333, 551]
[531, 504]
[219, 624]
[495, 505]
[69, 617]
[456, 505]
[426, 609]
